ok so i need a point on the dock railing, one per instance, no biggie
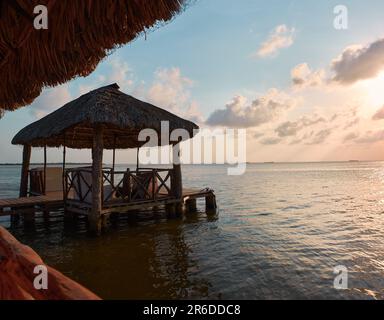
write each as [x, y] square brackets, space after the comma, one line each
[119, 187]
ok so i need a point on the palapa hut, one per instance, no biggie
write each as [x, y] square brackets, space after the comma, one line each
[106, 118]
[80, 34]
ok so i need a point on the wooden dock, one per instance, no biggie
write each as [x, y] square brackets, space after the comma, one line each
[15, 206]
[55, 200]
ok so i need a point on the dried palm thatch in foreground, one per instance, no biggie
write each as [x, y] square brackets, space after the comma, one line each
[80, 35]
[17, 264]
[121, 115]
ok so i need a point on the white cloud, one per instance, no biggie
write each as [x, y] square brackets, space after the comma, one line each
[292, 128]
[372, 137]
[351, 136]
[281, 37]
[50, 100]
[118, 72]
[170, 89]
[359, 63]
[302, 76]
[270, 141]
[379, 115]
[321, 136]
[239, 114]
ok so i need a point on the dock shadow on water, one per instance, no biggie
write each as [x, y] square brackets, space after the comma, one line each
[143, 255]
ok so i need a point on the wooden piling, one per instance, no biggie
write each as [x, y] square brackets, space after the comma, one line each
[179, 209]
[27, 150]
[95, 219]
[170, 209]
[210, 202]
[23, 192]
[29, 217]
[191, 205]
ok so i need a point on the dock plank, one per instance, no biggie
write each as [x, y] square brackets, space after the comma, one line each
[30, 201]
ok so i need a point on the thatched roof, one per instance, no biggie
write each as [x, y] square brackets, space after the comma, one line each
[121, 115]
[80, 34]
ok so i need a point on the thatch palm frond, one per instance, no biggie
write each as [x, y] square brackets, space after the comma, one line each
[80, 34]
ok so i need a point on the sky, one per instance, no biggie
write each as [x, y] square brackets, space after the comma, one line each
[304, 90]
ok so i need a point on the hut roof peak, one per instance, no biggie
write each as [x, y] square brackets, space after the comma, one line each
[122, 116]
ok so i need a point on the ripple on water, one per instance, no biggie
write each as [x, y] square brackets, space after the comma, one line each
[281, 230]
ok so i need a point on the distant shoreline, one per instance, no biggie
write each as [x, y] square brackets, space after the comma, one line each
[250, 163]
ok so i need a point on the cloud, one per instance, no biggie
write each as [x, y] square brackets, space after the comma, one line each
[351, 136]
[321, 136]
[372, 137]
[292, 128]
[281, 37]
[379, 115]
[118, 72]
[239, 114]
[303, 76]
[258, 135]
[270, 141]
[352, 123]
[359, 63]
[50, 100]
[170, 89]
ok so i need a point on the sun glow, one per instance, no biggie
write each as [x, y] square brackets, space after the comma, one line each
[374, 90]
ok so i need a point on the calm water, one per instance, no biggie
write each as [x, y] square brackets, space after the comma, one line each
[281, 230]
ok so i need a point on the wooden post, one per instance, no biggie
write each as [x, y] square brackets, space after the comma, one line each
[191, 205]
[113, 162]
[210, 202]
[25, 170]
[137, 160]
[177, 181]
[45, 170]
[64, 178]
[95, 219]
[170, 209]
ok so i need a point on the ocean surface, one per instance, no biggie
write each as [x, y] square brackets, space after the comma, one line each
[280, 231]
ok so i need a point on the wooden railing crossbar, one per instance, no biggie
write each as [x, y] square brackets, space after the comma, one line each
[134, 186]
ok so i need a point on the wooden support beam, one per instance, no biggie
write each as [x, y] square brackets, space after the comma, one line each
[210, 202]
[177, 181]
[113, 161]
[138, 160]
[95, 218]
[170, 209]
[45, 169]
[27, 150]
[191, 205]
[179, 209]
[29, 217]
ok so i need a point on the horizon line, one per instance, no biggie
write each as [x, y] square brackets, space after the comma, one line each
[201, 164]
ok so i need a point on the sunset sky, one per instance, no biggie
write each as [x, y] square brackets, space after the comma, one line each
[303, 90]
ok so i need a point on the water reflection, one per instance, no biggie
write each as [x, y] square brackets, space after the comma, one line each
[282, 230]
[142, 256]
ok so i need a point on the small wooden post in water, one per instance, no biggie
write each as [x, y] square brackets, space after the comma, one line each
[95, 219]
[191, 205]
[210, 203]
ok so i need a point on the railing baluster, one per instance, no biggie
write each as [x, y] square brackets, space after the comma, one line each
[154, 184]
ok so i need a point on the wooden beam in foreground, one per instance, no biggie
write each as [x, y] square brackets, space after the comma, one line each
[17, 265]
